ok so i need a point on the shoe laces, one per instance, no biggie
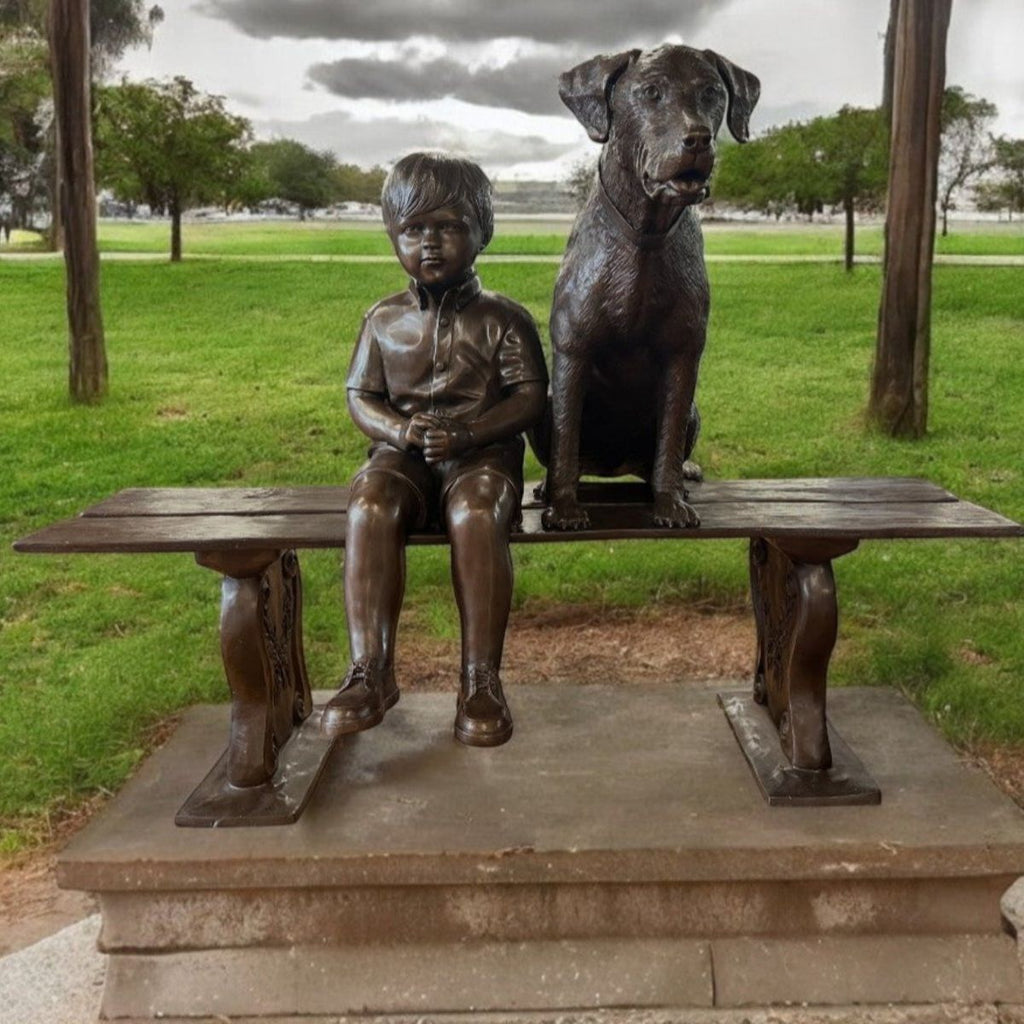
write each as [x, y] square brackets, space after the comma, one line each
[359, 672]
[483, 678]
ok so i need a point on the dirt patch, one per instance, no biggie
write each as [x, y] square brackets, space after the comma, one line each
[578, 645]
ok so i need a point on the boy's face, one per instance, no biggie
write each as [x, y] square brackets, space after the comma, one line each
[437, 248]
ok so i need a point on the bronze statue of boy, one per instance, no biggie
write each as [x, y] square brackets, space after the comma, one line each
[444, 380]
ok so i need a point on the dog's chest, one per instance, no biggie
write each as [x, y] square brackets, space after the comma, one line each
[646, 295]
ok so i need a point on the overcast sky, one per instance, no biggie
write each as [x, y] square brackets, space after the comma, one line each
[373, 79]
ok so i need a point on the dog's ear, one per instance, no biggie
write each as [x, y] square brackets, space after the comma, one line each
[744, 89]
[586, 89]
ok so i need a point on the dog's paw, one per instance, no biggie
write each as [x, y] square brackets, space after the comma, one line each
[673, 511]
[691, 471]
[565, 516]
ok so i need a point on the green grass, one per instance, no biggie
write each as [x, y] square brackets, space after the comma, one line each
[231, 373]
[292, 238]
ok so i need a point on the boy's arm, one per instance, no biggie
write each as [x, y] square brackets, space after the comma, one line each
[375, 417]
[520, 408]
[368, 403]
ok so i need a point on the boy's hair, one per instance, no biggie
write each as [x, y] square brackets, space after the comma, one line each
[421, 182]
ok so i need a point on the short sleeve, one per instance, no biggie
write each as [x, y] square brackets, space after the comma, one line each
[366, 373]
[520, 356]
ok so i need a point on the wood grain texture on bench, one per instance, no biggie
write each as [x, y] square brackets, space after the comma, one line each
[192, 501]
[237, 519]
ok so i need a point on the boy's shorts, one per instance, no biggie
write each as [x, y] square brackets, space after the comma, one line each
[432, 483]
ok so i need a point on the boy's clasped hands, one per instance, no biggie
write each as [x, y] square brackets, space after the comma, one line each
[440, 437]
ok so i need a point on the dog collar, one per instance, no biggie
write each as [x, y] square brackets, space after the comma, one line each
[642, 240]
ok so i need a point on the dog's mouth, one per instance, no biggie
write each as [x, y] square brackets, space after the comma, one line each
[679, 184]
[689, 186]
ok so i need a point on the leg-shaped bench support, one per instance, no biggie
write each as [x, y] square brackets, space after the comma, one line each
[794, 597]
[268, 771]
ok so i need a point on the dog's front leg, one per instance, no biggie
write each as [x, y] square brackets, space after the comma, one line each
[678, 385]
[567, 389]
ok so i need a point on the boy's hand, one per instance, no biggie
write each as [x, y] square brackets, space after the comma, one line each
[414, 432]
[446, 440]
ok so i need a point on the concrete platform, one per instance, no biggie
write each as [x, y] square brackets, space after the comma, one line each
[615, 853]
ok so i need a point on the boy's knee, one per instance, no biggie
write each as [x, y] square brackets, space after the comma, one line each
[482, 500]
[378, 497]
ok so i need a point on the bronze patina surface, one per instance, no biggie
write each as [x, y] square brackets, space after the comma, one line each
[444, 379]
[630, 309]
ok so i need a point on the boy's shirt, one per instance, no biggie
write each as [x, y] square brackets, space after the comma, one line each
[454, 358]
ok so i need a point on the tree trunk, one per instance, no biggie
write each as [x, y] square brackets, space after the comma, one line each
[899, 384]
[945, 221]
[69, 52]
[889, 60]
[175, 232]
[55, 232]
[848, 210]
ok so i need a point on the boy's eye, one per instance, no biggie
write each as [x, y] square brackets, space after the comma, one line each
[412, 229]
[453, 227]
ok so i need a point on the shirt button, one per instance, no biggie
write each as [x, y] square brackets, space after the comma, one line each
[442, 366]
[445, 321]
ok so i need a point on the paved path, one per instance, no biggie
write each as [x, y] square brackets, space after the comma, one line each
[161, 257]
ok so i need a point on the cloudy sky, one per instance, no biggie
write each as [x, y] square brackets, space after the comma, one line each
[373, 79]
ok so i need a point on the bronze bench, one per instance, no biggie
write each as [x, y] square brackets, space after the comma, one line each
[250, 535]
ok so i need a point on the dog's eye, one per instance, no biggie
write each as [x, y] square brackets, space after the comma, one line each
[710, 92]
[651, 92]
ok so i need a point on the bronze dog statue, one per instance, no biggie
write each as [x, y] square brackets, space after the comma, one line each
[630, 309]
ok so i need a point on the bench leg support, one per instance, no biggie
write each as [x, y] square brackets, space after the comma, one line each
[795, 609]
[271, 763]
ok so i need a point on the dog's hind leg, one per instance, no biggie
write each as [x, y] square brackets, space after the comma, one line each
[567, 390]
[678, 384]
[691, 470]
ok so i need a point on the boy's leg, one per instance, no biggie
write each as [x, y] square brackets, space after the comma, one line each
[382, 508]
[479, 511]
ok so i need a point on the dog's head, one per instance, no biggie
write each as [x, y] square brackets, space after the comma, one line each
[660, 111]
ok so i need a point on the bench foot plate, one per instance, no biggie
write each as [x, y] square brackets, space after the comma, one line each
[846, 782]
[215, 803]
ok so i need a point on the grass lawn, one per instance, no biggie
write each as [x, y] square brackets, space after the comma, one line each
[515, 237]
[231, 373]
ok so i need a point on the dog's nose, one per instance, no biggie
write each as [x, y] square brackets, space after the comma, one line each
[697, 140]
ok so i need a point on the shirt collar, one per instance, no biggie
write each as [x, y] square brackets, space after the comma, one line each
[462, 294]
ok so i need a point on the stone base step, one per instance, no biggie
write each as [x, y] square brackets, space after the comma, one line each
[616, 853]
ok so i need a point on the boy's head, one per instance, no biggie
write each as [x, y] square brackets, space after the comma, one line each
[437, 210]
[421, 182]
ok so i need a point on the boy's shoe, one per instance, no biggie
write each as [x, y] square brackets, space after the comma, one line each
[482, 717]
[368, 690]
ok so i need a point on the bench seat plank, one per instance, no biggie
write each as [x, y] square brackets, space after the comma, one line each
[834, 520]
[189, 501]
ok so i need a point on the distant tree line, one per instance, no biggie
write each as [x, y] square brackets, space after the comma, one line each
[172, 147]
[165, 144]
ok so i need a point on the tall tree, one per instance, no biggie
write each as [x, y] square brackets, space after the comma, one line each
[298, 174]
[898, 402]
[1006, 190]
[24, 91]
[838, 160]
[69, 51]
[168, 145]
[966, 149]
[850, 152]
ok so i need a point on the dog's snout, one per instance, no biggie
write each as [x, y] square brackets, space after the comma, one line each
[697, 140]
